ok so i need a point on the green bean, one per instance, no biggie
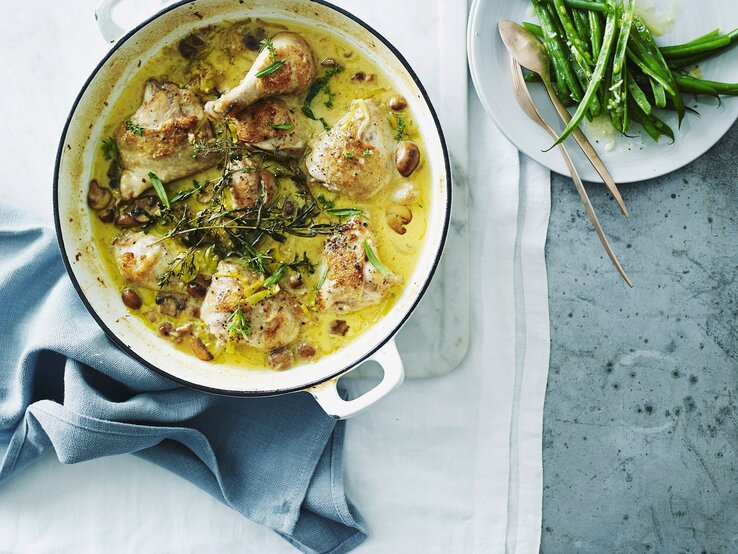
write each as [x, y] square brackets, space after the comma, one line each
[651, 124]
[711, 34]
[578, 47]
[595, 108]
[533, 28]
[707, 36]
[588, 5]
[696, 58]
[659, 95]
[617, 94]
[696, 48]
[644, 36]
[595, 24]
[703, 86]
[559, 60]
[599, 70]
[637, 94]
[581, 23]
[561, 89]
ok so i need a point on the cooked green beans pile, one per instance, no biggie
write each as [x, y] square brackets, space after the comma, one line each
[605, 61]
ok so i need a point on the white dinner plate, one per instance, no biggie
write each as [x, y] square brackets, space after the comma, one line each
[628, 159]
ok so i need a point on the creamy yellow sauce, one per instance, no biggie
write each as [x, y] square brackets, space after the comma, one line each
[399, 253]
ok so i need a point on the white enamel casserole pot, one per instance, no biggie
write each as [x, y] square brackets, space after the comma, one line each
[82, 136]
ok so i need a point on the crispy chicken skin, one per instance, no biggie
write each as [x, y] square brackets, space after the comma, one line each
[356, 156]
[170, 118]
[293, 77]
[142, 259]
[259, 125]
[248, 185]
[274, 321]
[352, 282]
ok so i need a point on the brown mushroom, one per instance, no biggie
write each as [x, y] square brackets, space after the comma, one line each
[339, 327]
[165, 328]
[131, 299]
[171, 303]
[281, 358]
[125, 220]
[200, 350]
[397, 103]
[198, 288]
[98, 198]
[361, 76]
[329, 62]
[397, 217]
[296, 281]
[106, 216]
[306, 351]
[407, 157]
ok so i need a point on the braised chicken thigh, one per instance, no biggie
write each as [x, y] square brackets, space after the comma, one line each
[356, 156]
[352, 281]
[270, 125]
[157, 138]
[270, 320]
[142, 259]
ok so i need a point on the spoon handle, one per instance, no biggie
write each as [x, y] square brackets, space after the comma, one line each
[591, 213]
[523, 97]
[587, 148]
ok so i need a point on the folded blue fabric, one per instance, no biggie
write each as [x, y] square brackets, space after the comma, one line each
[65, 386]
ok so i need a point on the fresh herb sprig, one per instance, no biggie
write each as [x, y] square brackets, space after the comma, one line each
[135, 129]
[237, 324]
[277, 62]
[161, 192]
[401, 131]
[321, 84]
[111, 152]
[372, 257]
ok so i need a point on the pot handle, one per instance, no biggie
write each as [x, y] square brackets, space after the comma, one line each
[394, 373]
[109, 29]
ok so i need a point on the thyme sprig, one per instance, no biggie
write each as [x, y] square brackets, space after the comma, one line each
[277, 62]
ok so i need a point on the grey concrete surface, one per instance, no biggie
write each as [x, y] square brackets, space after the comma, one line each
[641, 422]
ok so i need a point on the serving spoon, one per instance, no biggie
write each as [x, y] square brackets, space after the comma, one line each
[526, 102]
[528, 51]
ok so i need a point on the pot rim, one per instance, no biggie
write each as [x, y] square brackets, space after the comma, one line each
[245, 393]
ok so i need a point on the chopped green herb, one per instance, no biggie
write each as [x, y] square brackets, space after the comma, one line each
[274, 278]
[400, 133]
[277, 62]
[254, 259]
[159, 188]
[110, 151]
[238, 324]
[348, 155]
[372, 257]
[344, 212]
[281, 126]
[320, 85]
[271, 68]
[325, 203]
[366, 153]
[322, 278]
[269, 45]
[136, 129]
[185, 194]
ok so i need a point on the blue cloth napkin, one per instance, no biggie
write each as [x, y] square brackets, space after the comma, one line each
[65, 387]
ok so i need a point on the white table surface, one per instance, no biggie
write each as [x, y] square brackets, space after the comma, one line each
[433, 504]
